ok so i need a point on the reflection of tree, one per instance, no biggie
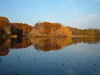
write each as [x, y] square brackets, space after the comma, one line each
[3, 51]
[51, 43]
[24, 43]
[17, 43]
[43, 43]
[56, 43]
[89, 40]
[4, 47]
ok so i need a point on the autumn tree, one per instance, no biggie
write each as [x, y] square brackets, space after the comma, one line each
[20, 29]
[50, 29]
[5, 25]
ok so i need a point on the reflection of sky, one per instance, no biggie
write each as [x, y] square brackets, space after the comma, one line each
[88, 49]
[70, 70]
[71, 60]
[96, 72]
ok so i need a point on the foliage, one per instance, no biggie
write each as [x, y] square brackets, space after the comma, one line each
[50, 29]
[21, 28]
[89, 31]
[42, 29]
[5, 25]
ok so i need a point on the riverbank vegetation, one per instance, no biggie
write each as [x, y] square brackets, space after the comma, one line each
[43, 29]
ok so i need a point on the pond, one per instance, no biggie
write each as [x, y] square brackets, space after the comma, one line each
[50, 56]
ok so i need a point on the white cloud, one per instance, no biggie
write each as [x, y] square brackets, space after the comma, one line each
[91, 21]
[71, 1]
[68, 5]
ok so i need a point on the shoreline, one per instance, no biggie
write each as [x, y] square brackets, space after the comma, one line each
[72, 36]
[83, 36]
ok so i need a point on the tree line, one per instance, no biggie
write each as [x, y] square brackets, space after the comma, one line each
[50, 29]
[89, 31]
[7, 28]
[42, 29]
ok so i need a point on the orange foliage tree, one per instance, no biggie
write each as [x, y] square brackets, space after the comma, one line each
[20, 28]
[50, 29]
[5, 25]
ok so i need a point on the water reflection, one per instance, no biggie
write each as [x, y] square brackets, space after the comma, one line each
[47, 44]
[72, 56]
[43, 43]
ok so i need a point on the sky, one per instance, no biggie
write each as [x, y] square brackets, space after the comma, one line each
[75, 13]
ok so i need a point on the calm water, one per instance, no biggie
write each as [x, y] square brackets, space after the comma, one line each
[50, 56]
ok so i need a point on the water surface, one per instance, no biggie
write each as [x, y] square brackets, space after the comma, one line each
[50, 56]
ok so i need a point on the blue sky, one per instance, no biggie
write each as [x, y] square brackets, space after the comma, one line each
[75, 13]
